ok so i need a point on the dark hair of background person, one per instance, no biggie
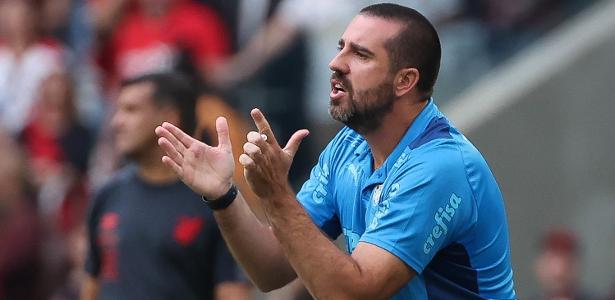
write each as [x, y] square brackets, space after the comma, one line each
[172, 89]
[417, 45]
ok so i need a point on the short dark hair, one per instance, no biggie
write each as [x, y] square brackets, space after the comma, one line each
[174, 89]
[416, 45]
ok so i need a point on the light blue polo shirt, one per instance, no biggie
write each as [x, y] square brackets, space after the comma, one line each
[434, 203]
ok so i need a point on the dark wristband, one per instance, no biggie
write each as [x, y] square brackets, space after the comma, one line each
[224, 201]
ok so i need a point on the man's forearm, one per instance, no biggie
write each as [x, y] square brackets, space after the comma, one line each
[254, 246]
[326, 271]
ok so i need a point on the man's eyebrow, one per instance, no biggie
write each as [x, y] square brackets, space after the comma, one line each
[356, 47]
[361, 49]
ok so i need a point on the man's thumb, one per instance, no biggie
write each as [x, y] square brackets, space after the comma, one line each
[224, 140]
[295, 140]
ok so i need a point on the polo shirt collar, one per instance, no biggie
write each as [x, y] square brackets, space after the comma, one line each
[416, 128]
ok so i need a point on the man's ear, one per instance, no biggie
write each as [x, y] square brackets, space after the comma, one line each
[405, 81]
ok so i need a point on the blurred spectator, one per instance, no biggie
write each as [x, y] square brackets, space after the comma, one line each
[26, 60]
[58, 149]
[20, 232]
[557, 267]
[68, 21]
[150, 236]
[147, 36]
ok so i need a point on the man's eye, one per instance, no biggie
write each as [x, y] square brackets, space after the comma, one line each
[361, 54]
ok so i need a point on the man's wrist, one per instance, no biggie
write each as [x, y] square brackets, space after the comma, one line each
[223, 201]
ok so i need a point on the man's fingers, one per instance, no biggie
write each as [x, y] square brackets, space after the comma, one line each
[176, 168]
[255, 138]
[246, 161]
[163, 132]
[224, 140]
[181, 136]
[252, 150]
[295, 140]
[170, 150]
[262, 125]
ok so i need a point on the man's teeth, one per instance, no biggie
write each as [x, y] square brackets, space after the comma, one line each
[339, 87]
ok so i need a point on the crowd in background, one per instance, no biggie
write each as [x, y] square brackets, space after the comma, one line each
[62, 61]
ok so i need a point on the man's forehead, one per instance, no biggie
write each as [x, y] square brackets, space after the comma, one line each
[136, 93]
[370, 30]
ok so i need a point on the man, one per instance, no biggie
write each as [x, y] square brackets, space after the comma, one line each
[150, 237]
[420, 210]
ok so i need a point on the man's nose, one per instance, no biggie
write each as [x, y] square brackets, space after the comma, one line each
[338, 64]
[115, 121]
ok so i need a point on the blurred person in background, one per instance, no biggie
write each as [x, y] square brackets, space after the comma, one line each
[149, 235]
[557, 267]
[58, 149]
[20, 227]
[137, 37]
[68, 21]
[26, 59]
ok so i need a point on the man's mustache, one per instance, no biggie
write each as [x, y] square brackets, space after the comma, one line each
[345, 82]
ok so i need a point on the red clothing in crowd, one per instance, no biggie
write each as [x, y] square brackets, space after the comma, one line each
[143, 44]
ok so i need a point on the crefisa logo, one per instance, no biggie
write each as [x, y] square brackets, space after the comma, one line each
[443, 217]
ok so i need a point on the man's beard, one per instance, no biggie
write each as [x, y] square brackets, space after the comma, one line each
[367, 109]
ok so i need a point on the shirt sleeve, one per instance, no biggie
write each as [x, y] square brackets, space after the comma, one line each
[426, 208]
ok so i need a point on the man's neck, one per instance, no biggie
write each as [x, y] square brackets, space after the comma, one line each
[383, 140]
[152, 170]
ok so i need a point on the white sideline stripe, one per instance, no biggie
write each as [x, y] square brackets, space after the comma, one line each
[509, 83]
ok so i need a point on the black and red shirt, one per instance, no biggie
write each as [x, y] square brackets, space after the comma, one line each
[155, 242]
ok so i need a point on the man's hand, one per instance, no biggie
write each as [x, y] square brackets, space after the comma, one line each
[265, 163]
[205, 169]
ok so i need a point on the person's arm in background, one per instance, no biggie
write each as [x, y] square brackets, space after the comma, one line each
[89, 288]
[271, 39]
